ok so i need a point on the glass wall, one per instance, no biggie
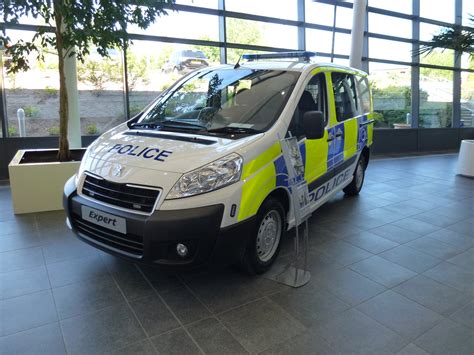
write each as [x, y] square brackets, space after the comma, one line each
[391, 91]
[194, 36]
[33, 93]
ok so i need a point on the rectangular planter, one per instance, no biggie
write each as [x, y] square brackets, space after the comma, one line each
[38, 186]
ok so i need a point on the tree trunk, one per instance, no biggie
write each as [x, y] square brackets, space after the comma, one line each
[63, 154]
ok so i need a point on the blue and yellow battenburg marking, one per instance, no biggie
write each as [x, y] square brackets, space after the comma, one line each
[268, 171]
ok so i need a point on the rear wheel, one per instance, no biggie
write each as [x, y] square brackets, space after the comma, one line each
[358, 178]
[264, 244]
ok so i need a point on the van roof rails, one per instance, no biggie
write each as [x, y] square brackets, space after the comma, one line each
[301, 55]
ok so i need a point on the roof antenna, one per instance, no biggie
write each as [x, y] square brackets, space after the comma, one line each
[237, 65]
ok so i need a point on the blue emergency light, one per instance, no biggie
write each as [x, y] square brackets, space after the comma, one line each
[302, 55]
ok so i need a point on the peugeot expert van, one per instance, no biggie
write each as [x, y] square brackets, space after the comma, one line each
[199, 175]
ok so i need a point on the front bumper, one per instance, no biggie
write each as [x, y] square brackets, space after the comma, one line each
[152, 239]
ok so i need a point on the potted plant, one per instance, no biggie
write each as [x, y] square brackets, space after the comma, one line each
[73, 28]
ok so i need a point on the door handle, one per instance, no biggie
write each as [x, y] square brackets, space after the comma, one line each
[331, 138]
[340, 134]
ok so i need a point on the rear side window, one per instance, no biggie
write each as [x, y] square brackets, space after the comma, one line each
[364, 94]
[345, 96]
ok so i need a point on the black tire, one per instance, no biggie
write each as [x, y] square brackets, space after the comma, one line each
[254, 260]
[357, 182]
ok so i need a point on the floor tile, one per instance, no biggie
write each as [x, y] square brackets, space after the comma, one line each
[437, 219]
[22, 225]
[436, 296]
[463, 227]
[370, 242]
[185, 306]
[395, 233]
[416, 226]
[343, 252]
[464, 260]
[72, 248]
[307, 343]
[434, 247]
[106, 330]
[160, 280]
[214, 338]
[77, 269]
[154, 316]
[46, 339]
[22, 282]
[453, 275]
[349, 286]
[26, 312]
[453, 238]
[412, 349]
[244, 322]
[18, 241]
[465, 315]
[447, 337]
[176, 342]
[222, 291]
[21, 259]
[309, 304]
[382, 271]
[144, 347]
[86, 296]
[129, 278]
[340, 229]
[405, 317]
[410, 258]
[355, 333]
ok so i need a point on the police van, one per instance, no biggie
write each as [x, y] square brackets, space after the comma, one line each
[199, 175]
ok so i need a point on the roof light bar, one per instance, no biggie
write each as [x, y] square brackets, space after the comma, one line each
[304, 55]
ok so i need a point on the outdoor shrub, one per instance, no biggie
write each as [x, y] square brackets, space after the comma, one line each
[53, 131]
[92, 129]
[31, 111]
[135, 109]
[50, 91]
[12, 131]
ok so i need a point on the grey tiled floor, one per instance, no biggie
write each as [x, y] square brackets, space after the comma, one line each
[392, 272]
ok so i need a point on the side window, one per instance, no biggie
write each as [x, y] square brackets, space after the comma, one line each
[313, 99]
[364, 94]
[345, 96]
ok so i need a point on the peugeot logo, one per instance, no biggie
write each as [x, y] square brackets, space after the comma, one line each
[117, 170]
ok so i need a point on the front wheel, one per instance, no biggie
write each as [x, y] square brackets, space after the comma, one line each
[358, 179]
[264, 244]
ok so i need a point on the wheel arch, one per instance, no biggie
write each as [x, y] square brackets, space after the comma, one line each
[366, 154]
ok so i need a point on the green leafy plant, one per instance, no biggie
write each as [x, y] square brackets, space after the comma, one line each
[99, 72]
[457, 38]
[137, 70]
[135, 109]
[12, 131]
[31, 111]
[92, 129]
[73, 28]
[53, 131]
[50, 92]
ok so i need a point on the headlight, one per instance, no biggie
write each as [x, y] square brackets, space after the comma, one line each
[210, 177]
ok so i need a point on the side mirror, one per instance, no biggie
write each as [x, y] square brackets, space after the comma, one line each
[313, 124]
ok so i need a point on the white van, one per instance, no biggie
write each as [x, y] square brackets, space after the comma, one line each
[199, 175]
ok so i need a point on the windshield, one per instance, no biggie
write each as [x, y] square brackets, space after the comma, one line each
[223, 100]
[194, 54]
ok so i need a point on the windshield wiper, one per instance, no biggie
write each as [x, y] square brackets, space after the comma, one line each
[230, 129]
[182, 124]
[145, 125]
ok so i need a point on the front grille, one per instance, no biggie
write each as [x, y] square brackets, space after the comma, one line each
[129, 243]
[134, 197]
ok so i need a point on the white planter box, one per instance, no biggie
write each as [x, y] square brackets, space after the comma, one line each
[38, 187]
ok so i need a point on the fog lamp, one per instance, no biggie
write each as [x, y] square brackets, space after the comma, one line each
[182, 250]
